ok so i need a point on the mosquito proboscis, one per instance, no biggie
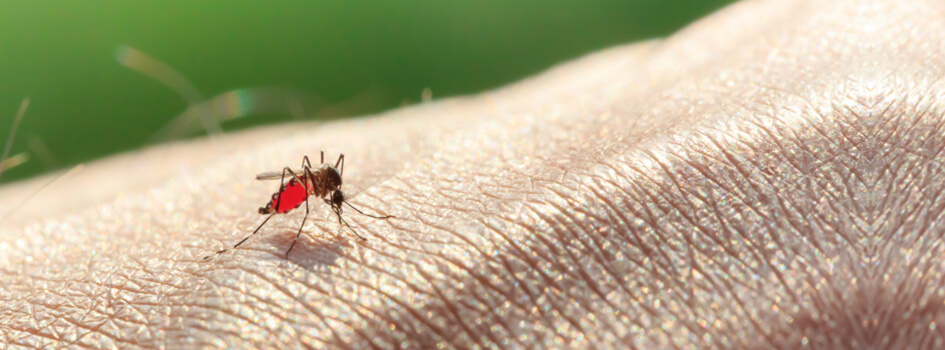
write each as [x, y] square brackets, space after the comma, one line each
[323, 182]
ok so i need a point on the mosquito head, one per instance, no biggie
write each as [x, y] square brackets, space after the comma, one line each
[337, 199]
[267, 209]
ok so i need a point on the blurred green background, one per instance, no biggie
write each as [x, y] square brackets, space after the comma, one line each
[357, 57]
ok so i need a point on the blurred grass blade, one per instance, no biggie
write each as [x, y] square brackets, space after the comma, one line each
[235, 104]
[170, 77]
[13, 161]
[16, 124]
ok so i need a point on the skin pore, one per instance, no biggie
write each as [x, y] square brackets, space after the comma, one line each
[769, 177]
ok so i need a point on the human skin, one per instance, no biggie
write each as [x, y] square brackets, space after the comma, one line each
[769, 177]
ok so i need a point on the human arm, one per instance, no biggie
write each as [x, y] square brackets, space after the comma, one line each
[767, 176]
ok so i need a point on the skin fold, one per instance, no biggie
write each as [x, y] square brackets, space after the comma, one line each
[769, 177]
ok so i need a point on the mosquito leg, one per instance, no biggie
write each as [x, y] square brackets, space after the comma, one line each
[281, 187]
[285, 171]
[241, 241]
[297, 179]
[323, 157]
[345, 222]
[306, 162]
[306, 172]
[278, 198]
[310, 176]
[300, 230]
[254, 231]
[369, 215]
[341, 163]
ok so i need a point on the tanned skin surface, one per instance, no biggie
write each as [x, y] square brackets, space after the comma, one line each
[769, 177]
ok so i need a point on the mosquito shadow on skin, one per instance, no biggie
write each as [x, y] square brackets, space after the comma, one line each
[314, 250]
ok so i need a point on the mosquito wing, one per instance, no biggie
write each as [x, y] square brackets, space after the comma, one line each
[276, 175]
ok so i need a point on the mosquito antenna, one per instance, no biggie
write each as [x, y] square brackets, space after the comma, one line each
[369, 215]
[16, 124]
[244, 239]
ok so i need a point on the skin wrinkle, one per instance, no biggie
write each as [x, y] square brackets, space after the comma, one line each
[450, 307]
[691, 220]
[485, 282]
[370, 286]
[505, 262]
[597, 255]
[248, 322]
[555, 251]
[595, 289]
[68, 319]
[490, 264]
[415, 314]
[615, 275]
[314, 311]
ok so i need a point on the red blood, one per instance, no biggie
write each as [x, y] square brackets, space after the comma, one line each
[291, 197]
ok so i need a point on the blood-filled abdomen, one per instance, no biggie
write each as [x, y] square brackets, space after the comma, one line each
[291, 197]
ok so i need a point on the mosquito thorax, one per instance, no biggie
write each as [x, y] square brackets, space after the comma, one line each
[333, 176]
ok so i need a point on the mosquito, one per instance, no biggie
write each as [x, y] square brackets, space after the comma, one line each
[323, 182]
